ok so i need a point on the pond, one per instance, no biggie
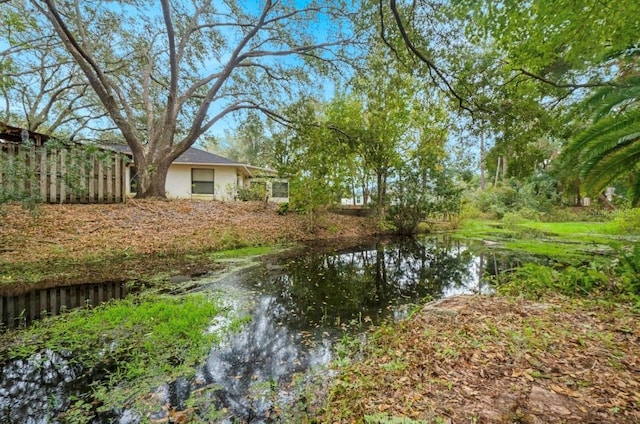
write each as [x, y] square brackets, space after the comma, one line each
[300, 305]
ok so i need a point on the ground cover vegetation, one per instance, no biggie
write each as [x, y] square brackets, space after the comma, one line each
[127, 347]
[513, 112]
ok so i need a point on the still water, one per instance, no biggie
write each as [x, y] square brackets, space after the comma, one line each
[300, 306]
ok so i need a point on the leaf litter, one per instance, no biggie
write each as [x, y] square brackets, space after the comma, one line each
[492, 359]
[152, 232]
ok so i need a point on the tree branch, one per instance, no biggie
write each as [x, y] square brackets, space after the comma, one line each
[430, 64]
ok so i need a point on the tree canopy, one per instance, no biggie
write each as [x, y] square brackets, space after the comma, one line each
[512, 74]
[167, 75]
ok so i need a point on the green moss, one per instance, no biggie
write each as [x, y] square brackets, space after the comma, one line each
[135, 343]
[559, 240]
[122, 266]
[244, 252]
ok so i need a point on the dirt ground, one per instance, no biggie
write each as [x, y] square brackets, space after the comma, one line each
[76, 243]
[480, 359]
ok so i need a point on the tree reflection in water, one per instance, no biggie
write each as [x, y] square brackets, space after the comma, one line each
[304, 303]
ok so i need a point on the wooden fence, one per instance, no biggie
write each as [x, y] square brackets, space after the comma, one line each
[20, 310]
[64, 175]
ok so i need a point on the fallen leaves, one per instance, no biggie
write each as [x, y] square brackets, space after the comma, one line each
[515, 361]
[86, 233]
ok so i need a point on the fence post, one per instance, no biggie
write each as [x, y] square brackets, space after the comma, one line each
[44, 180]
[63, 170]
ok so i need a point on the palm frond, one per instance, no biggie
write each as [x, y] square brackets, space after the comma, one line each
[606, 131]
[610, 147]
[606, 99]
[611, 166]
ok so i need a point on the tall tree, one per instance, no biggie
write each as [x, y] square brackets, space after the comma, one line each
[41, 89]
[166, 76]
[568, 45]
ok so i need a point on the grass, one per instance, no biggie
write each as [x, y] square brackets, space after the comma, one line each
[244, 252]
[559, 240]
[131, 345]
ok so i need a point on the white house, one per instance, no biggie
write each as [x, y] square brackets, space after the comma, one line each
[198, 174]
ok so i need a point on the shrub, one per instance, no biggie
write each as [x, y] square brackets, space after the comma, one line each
[628, 220]
[253, 192]
[283, 208]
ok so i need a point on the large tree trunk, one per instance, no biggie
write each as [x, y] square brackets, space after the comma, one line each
[151, 179]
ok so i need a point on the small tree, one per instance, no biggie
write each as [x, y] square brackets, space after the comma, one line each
[411, 200]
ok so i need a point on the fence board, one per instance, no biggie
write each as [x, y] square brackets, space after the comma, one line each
[63, 187]
[101, 181]
[58, 175]
[110, 194]
[43, 175]
[118, 171]
[33, 175]
[53, 177]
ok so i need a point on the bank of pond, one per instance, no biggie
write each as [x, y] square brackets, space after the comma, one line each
[227, 349]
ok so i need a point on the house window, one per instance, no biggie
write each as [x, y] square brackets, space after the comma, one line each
[280, 189]
[202, 181]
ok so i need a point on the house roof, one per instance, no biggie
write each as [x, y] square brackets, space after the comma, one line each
[193, 156]
[197, 156]
[9, 133]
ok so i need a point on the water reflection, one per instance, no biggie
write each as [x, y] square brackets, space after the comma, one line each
[299, 305]
[304, 303]
[330, 289]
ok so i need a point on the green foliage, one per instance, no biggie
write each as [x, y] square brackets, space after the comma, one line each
[14, 171]
[253, 192]
[133, 344]
[618, 277]
[610, 147]
[627, 221]
[283, 208]
[419, 192]
[530, 199]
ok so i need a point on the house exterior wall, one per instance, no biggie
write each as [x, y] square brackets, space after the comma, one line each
[178, 185]
[227, 180]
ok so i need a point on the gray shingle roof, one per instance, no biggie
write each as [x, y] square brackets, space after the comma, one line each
[192, 155]
[200, 157]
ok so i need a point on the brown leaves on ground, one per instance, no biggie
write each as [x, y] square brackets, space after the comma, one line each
[496, 360]
[97, 232]
[146, 226]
